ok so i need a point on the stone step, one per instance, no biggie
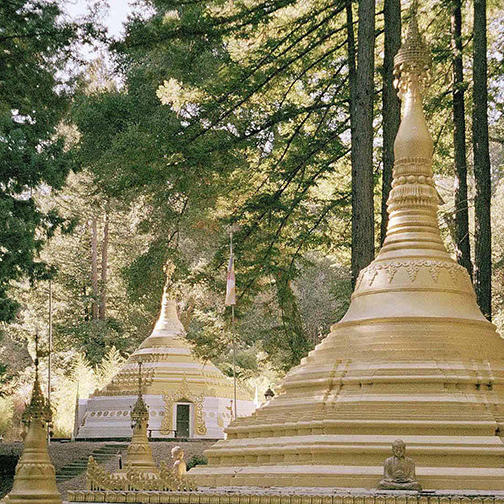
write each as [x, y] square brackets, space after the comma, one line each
[77, 467]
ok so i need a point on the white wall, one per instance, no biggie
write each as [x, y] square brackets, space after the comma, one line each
[109, 417]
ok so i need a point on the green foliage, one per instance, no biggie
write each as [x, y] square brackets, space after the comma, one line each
[196, 460]
[109, 366]
[35, 47]
[95, 337]
[227, 114]
[222, 122]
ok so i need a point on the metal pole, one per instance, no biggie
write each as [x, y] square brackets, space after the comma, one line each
[49, 357]
[234, 359]
[233, 339]
[76, 413]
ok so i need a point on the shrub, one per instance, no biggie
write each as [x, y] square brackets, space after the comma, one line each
[196, 460]
[6, 414]
[8, 465]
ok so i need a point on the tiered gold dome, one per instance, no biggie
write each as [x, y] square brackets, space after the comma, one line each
[171, 375]
[413, 358]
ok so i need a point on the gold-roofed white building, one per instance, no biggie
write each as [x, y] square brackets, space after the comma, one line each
[413, 358]
[186, 397]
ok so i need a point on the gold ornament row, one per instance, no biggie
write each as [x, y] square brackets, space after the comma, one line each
[412, 267]
[99, 479]
[268, 498]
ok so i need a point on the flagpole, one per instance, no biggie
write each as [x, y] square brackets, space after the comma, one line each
[233, 339]
[49, 357]
[234, 359]
[76, 413]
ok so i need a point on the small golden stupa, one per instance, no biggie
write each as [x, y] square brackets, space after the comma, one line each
[413, 358]
[140, 473]
[139, 454]
[35, 477]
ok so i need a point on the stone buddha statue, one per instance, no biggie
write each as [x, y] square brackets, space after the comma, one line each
[399, 470]
[179, 466]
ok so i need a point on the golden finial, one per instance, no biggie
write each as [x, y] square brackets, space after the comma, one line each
[139, 412]
[38, 408]
[169, 269]
[413, 57]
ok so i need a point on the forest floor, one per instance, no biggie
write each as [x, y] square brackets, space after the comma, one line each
[63, 454]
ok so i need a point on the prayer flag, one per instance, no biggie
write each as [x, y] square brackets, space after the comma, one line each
[230, 285]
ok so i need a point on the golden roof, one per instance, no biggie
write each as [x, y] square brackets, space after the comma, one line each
[168, 363]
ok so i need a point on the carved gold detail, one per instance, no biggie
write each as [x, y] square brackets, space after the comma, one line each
[124, 382]
[412, 267]
[185, 497]
[184, 393]
[98, 478]
[412, 59]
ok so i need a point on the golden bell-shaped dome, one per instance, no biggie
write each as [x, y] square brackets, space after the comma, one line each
[413, 358]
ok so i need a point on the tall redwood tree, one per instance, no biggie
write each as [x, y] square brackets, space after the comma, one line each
[462, 244]
[361, 113]
[391, 108]
[483, 239]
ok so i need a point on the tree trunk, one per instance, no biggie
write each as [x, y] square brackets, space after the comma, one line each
[462, 244]
[391, 107]
[361, 114]
[87, 313]
[351, 54]
[94, 269]
[483, 238]
[104, 269]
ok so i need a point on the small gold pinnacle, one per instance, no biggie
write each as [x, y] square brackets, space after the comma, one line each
[414, 57]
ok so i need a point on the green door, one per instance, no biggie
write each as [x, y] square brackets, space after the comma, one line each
[183, 420]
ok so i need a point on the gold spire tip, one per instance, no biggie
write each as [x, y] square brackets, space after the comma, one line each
[38, 408]
[413, 57]
[139, 412]
[169, 269]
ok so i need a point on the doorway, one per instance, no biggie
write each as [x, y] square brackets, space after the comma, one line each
[183, 420]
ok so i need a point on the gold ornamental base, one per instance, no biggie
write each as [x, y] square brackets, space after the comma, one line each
[294, 495]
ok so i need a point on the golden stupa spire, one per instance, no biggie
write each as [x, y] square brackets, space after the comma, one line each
[139, 413]
[413, 200]
[413, 241]
[139, 454]
[35, 477]
[413, 358]
[168, 325]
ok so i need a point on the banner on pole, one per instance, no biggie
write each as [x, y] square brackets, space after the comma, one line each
[230, 284]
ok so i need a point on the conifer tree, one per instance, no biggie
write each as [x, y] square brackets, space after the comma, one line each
[482, 201]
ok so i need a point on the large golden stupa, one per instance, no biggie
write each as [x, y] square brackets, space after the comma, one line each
[413, 358]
